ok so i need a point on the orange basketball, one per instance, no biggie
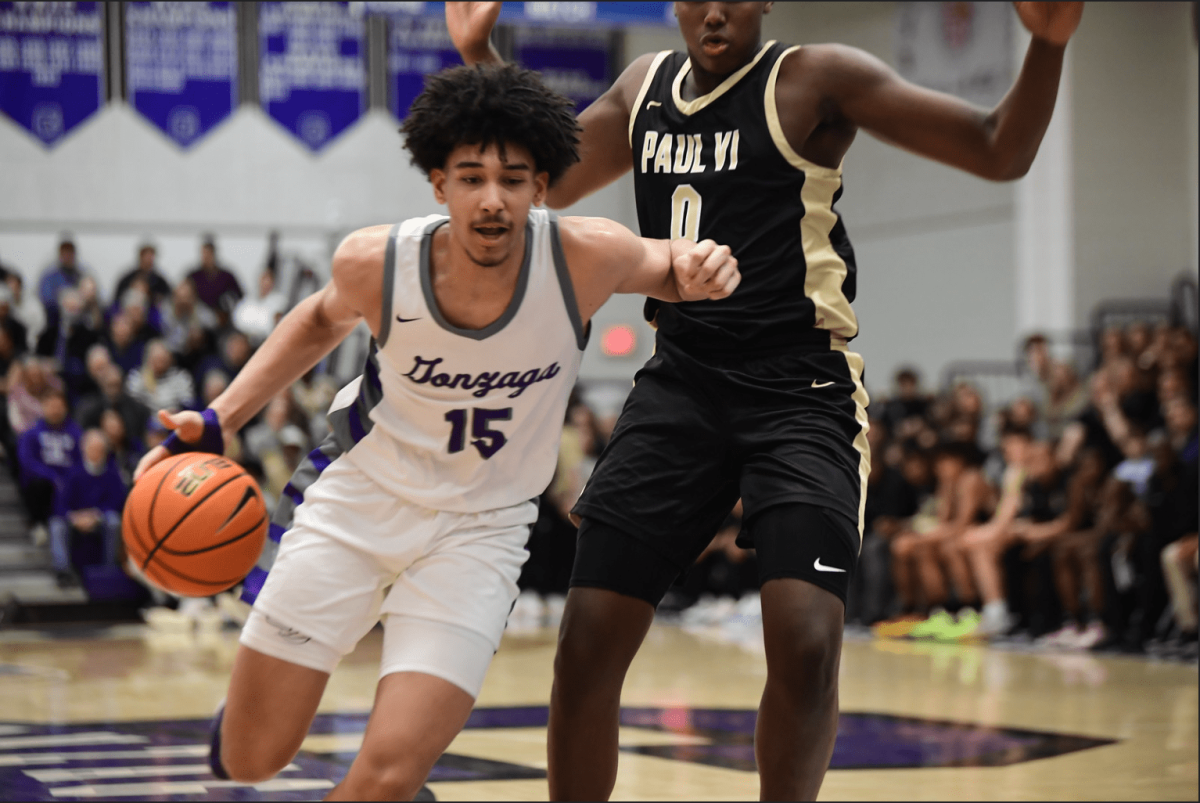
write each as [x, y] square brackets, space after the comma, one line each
[194, 524]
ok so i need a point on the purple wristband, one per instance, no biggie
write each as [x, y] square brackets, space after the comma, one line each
[210, 440]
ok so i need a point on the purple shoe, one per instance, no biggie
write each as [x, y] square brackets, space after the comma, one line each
[214, 750]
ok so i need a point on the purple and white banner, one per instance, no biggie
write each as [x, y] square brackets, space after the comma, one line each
[572, 62]
[51, 66]
[417, 46]
[312, 68]
[181, 66]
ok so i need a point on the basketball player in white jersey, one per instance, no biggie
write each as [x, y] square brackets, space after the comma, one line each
[417, 508]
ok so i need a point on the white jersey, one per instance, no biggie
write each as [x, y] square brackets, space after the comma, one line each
[464, 420]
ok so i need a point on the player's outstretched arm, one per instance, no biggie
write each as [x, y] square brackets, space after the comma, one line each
[298, 342]
[604, 149]
[604, 258]
[999, 144]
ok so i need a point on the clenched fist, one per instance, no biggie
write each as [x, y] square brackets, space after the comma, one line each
[703, 270]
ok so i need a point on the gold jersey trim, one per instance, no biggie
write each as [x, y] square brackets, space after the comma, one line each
[641, 95]
[690, 107]
[785, 149]
[825, 271]
[861, 444]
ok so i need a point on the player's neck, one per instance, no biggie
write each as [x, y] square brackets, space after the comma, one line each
[700, 82]
[468, 294]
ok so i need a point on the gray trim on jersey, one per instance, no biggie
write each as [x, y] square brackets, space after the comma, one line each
[567, 286]
[389, 285]
[426, 271]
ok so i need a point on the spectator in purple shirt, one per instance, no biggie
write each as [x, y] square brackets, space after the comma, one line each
[47, 452]
[88, 505]
[216, 287]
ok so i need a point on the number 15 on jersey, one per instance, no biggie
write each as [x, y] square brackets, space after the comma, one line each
[487, 440]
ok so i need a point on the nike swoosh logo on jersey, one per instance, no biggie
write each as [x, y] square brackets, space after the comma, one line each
[652, 104]
[823, 568]
[817, 384]
[406, 320]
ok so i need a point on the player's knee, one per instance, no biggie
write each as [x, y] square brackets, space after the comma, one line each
[805, 657]
[390, 778]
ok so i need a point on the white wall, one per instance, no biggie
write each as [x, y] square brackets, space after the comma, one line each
[1135, 145]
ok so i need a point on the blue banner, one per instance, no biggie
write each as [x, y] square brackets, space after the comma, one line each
[312, 70]
[606, 14]
[590, 14]
[574, 63]
[181, 65]
[417, 47]
[51, 66]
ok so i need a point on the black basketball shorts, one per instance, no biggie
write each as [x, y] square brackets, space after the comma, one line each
[775, 430]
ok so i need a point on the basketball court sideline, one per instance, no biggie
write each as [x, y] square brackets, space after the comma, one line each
[122, 713]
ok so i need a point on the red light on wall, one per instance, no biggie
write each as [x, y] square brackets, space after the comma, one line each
[618, 341]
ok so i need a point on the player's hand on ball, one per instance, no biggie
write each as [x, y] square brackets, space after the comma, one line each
[188, 425]
[703, 270]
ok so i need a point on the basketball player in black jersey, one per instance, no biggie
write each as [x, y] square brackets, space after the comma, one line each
[757, 395]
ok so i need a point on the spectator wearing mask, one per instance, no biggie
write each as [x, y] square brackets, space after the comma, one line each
[87, 505]
[146, 271]
[158, 384]
[216, 288]
[47, 451]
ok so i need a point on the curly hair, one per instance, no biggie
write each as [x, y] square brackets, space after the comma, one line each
[491, 105]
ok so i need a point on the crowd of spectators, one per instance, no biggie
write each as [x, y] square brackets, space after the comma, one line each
[1067, 516]
[84, 368]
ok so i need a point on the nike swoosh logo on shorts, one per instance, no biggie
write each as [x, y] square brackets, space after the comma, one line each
[823, 568]
[817, 384]
[406, 320]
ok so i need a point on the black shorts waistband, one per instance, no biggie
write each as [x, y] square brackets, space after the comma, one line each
[815, 341]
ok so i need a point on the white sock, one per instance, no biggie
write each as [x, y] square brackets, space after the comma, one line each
[995, 613]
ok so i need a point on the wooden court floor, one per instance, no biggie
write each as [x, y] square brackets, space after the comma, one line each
[122, 714]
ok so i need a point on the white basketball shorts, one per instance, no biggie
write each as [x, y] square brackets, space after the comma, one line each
[442, 583]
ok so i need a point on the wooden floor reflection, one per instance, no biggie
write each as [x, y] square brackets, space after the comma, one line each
[920, 721]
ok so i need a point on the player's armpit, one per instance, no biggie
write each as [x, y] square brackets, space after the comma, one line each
[356, 288]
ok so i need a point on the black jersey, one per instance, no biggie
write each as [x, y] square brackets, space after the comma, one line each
[719, 167]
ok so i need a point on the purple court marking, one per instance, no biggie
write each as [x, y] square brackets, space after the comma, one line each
[865, 741]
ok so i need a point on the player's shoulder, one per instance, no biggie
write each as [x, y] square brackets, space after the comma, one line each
[829, 61]
[630, 81]
[359, 258]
